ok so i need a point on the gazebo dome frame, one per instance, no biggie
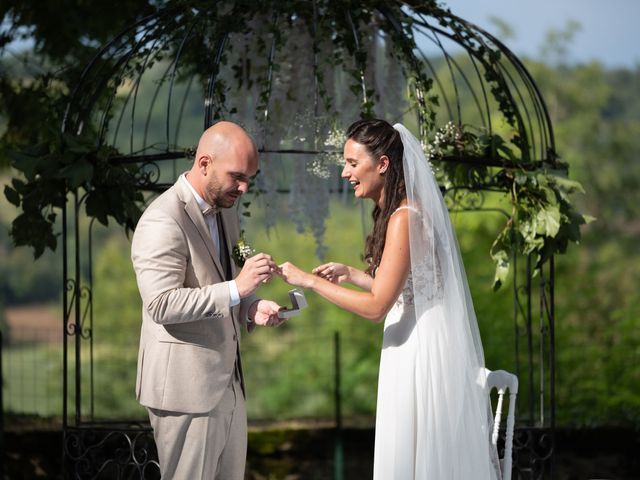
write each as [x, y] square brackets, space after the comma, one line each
[189, 44]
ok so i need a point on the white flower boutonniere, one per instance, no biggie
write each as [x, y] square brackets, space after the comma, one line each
[241, 251]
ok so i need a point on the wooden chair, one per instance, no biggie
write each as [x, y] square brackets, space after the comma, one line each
[503, 381]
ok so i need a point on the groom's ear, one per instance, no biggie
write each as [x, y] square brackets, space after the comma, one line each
[203, 162]
[383, 164]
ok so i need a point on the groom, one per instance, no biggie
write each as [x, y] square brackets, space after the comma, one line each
[194, 301]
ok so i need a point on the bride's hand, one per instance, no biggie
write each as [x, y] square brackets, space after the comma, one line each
[294, 276]
[334, 272]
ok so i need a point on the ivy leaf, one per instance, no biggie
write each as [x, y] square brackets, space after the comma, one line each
[12, 195]
[33, 230]
[566, 185]
[27, 164]
[96, 206]
[521, 178]
[77, 173]
[502, 268]
[76, 144]
[548, 221]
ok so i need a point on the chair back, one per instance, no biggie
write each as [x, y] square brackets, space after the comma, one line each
[503, 381]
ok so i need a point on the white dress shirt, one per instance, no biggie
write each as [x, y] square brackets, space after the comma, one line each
[210, 220]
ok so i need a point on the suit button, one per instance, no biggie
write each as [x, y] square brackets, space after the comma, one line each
[235, 337]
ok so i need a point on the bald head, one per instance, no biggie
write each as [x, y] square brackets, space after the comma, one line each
[225, 136]
[226, 158]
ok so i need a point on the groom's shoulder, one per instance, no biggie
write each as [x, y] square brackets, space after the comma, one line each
[167, 203]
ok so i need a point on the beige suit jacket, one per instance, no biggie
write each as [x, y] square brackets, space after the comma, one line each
[190, 334]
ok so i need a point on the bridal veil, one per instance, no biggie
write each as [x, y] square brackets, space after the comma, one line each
[453, 408]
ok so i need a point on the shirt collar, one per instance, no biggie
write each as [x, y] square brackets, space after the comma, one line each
[205, 208]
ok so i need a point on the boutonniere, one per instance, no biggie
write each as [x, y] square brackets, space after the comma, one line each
[241, 250]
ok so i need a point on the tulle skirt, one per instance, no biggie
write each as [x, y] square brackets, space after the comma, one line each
[426, 428]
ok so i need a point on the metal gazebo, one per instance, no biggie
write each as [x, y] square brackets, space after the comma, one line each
[294, 73]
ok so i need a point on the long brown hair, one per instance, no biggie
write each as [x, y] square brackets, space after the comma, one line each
[380, 138]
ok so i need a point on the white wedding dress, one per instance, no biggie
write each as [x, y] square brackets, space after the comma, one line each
[433, 415]
[410, 413]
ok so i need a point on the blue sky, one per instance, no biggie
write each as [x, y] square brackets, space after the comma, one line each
[609, 28]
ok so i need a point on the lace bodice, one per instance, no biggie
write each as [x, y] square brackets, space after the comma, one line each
[425, 283]
[425, 279]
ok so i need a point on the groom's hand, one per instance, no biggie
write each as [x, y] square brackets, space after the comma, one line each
[256, 270]
[265, 313]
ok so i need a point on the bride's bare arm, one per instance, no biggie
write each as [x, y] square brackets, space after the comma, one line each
[385, 287]
[339, 273]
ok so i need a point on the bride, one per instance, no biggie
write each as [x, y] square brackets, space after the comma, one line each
[433, 414]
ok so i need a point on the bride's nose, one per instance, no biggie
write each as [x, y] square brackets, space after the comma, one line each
[345, 171]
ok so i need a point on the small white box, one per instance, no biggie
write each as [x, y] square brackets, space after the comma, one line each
[298, 302]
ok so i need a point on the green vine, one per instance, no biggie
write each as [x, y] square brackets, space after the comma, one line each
[542, 221]
[69, 164]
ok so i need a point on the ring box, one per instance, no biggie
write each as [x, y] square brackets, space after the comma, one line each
[298, 302]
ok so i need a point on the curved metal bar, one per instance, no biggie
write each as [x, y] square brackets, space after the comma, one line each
[100, 83]
[86, 332]
[152, 105]
[120, 67]
[208, 101]
[356, 41]
[529, 124]
[463, 42]
[124, 63]
[423, 123]
[267, 93]
[525, 75]
[94, 60]
[151, 54]
[173, 76]
[448, 59]
[70, 287]
[485, 114]
[537, 106]
[316, 80]
[180, 113]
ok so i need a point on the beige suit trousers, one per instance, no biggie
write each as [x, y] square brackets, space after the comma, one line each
[209, 446]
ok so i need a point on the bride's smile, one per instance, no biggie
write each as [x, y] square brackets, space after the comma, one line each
[363, 173]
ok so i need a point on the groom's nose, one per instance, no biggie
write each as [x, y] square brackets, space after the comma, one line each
[243, 187]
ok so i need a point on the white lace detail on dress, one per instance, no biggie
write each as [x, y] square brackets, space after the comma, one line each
[424, 281]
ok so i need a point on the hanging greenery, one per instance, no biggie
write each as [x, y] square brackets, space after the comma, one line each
[69, 164]
[542, 221]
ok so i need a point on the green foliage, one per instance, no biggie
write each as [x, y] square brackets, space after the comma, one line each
[543, 218]
[38, 282]
[74, 162]
[597, 306]
[62, 165]
[596, 114]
